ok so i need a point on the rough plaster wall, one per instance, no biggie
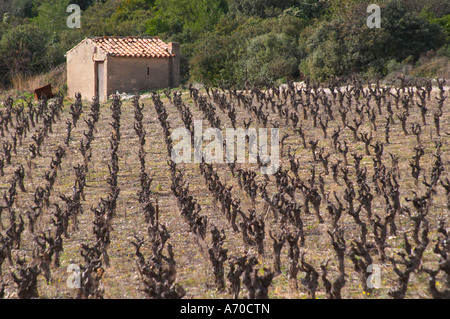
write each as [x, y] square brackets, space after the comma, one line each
[129, 75]
[81, 71]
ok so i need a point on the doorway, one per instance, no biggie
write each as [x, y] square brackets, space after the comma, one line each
[100, 85]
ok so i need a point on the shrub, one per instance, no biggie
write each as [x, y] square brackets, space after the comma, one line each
[392, 66]
[258, 7]
[345, 45]
[444, 51]
[270, 57]
[21, 49]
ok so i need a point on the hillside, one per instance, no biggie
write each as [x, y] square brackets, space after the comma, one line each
[233, 42]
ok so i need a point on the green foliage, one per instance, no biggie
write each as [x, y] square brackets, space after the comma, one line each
[52, 16]
[135, 5]
[392, 66]
[444, 51]
[325, 54]
[189, 16]
[271, 57]
[233, 41]
[344, 46]
[21, 49]
[408, 34]
[443, 22]
[99, 19]
[210, 59]
[252, 49]
[157, 26]
[260, 8]
[308, 9]
[24, 8]
[84, 4]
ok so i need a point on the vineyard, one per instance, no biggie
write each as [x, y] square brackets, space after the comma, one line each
[92, 205]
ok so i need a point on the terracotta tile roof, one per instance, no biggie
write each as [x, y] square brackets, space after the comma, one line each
[152, 47]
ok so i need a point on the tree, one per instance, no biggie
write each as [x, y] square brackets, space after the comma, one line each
[189, 16]
[345, 45]
[21, 49]
[258, 8]
[24, 8]
[408, 34]
[308, 9]
[271, 57]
